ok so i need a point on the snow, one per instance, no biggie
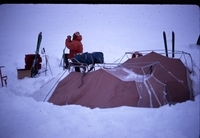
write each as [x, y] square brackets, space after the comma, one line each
[125, 74]
[111, 29]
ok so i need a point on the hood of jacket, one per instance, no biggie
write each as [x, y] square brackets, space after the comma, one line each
[78, 38]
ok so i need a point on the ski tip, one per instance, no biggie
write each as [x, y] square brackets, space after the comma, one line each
[164, 33]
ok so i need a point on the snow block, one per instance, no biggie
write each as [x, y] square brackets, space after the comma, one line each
[21, 73]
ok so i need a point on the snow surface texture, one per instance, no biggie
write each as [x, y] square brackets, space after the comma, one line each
[111, 29]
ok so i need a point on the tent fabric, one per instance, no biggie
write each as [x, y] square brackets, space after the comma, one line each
[176, 75]
[148, 81]
[104, 90]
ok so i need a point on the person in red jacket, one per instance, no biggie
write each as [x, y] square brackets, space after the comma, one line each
[75, 46]
[136, 54]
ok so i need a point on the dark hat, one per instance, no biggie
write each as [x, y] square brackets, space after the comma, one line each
[76, 34]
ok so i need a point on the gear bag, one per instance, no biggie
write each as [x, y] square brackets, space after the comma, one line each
[90, 58]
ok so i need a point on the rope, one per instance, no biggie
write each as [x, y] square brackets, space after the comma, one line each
[50, 80]
[54, 85]
[83, 75]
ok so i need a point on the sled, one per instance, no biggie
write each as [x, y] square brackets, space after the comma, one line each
[85, 61]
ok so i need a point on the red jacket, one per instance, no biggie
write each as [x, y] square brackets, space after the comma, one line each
[74, 46]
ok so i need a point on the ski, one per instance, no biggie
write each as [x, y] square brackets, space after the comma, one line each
[34, 68]
[173, 43]
[165, 43]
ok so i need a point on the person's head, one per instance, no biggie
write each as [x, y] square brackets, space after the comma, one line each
[75, 35]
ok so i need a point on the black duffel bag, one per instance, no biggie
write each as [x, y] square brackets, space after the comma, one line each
[90, 58]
